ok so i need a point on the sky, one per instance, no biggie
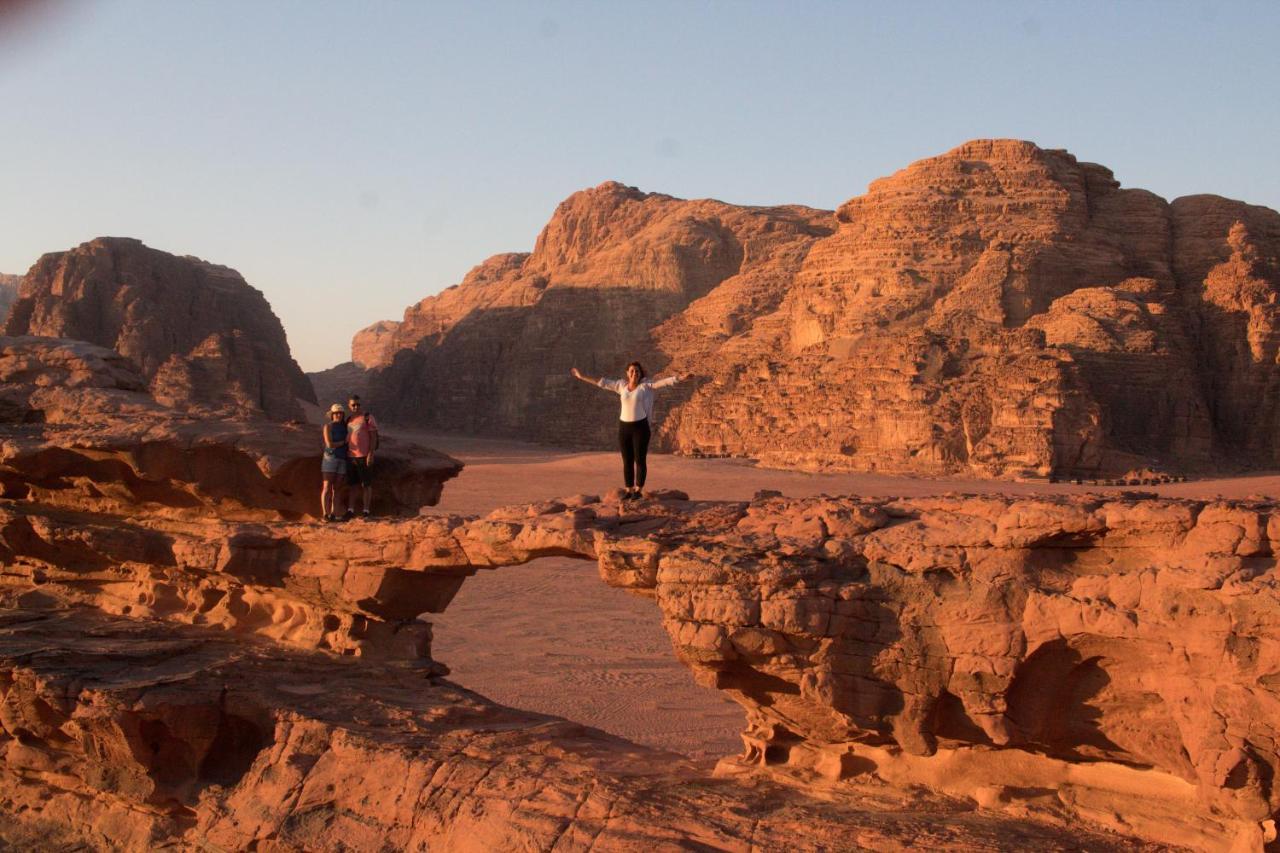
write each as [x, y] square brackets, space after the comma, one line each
[351, 158]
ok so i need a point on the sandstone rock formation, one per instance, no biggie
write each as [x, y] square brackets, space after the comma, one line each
[492, 355]
[374, 345]
[1106, 660]
[178, 668]
[78, 430]
[125, 734]
[201, 336]
[8, 292]
[1001, 310]
[183, 662]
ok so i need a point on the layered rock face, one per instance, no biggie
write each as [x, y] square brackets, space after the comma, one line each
[181, 667]
[493, 354]
[80, 432]
[1105, 661]
[1113, 655]
[202, 337]
[127, 735]
[375, 345]
[1000, 310]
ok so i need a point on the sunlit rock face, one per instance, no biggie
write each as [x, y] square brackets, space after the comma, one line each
[1000, 310]
[116, 501]
[81, 432]
[1113, 655]
[131, 734]
[184, 662]
[1100, 660]
[171, 627]
[201, 336]
[492, 355]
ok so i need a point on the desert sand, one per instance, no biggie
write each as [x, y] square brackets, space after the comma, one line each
[550, 637]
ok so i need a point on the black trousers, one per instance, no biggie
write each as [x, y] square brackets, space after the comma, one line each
[633, 441]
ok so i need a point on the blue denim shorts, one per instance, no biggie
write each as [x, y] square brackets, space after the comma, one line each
[333, 465]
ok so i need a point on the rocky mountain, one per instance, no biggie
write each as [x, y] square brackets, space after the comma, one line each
[8, 292]
[201, 335]
[492, 355]
[1001, 309]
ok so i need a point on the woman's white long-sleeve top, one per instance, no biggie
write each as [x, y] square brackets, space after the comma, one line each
[636, 404]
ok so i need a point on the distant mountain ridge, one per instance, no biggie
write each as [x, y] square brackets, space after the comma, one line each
[1001, 309]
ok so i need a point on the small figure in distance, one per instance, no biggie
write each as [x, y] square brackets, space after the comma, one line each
[633, 422]
[333, 466]
[362, 441]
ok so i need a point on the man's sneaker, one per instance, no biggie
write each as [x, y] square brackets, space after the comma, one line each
[351, 513]
[365, 514]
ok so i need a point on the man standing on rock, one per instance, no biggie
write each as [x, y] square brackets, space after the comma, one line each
[362, 441]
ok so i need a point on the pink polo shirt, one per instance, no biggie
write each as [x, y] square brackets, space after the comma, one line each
[360, 432]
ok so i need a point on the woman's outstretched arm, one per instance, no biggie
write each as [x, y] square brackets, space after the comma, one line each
[669, 380]
[578, 374]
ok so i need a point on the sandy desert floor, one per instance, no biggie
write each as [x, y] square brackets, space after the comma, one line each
[550, 637]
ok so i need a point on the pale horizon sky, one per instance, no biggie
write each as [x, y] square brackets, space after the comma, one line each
[352, 158]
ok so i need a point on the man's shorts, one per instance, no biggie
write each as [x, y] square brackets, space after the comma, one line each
[358, 472]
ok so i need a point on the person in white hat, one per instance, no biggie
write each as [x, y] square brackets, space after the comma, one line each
[333, 467]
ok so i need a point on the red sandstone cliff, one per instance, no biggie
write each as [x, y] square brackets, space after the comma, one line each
[201, 336]
[492, 355]
[1001, 309]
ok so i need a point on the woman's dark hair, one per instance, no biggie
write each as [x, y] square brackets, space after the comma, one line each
[638, 366]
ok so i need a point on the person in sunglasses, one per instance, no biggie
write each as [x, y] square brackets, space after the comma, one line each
[362, 441]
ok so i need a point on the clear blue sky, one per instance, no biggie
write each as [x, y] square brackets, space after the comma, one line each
[350, 158]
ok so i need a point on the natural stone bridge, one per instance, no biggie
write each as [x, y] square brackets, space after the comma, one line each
[1111, 658]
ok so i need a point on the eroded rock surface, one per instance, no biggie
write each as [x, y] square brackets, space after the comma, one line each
[78, 430]
[492, 355]
[1000, 310]
[1098, 650]
[129, 734]
[201, 336]
[375, 345]
[1098, 659]
[179, 665]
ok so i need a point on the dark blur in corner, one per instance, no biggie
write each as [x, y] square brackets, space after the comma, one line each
[21, 20]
